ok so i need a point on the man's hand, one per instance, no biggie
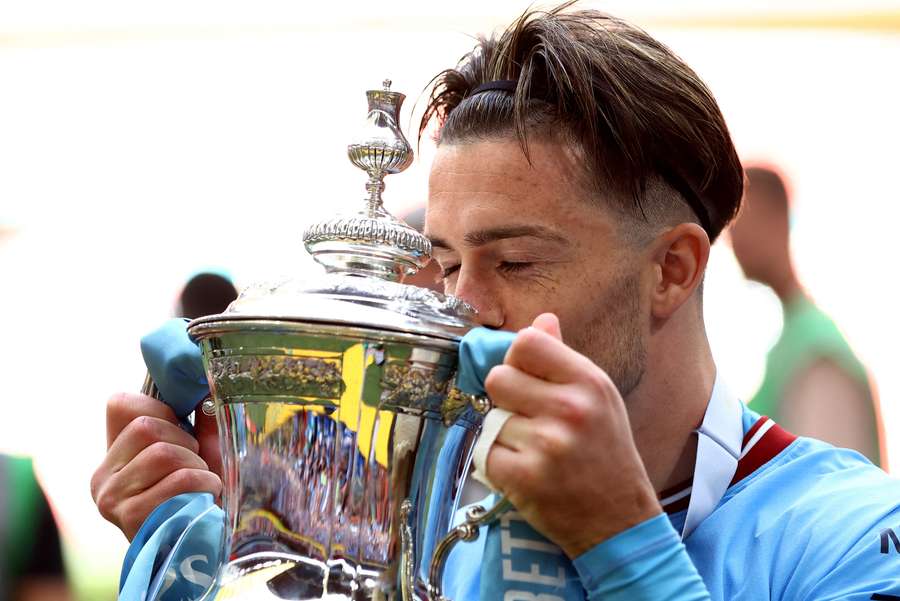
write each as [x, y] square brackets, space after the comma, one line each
[150, 460]
[566, 459]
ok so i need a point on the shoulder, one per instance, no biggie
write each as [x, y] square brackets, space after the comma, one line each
[812, 516]
[817, 501]
[810, 476]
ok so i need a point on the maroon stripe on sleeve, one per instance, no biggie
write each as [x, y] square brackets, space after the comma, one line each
[766, 448]
[679, 505]
[672, 490]
[753, 429]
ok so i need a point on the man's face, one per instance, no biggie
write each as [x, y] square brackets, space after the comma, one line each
[516, 240]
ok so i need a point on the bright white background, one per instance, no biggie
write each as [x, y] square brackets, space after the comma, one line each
[140, 142]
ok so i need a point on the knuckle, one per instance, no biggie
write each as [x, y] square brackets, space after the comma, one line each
[184, 480]
[193, 480]
[145, 428]
[572, 407]
[162, 454]
[97, 481]
[133, 516]
[552, 443]
[107, 505]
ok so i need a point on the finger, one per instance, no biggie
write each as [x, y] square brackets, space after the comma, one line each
[503, 465]
[515, 390]
[207, 432]
[549, 323]
[142, 432]
[136, 509]
[515, 434]
[122, 408]
[152, 465]
[540, 354]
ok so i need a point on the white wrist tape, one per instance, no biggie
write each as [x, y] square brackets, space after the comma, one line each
[490, 429]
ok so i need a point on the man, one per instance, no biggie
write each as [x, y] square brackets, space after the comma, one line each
[582, 172]
[814, 385]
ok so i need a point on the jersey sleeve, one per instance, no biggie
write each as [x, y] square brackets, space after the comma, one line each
[869, 570]
[176, 552]
[647, 561]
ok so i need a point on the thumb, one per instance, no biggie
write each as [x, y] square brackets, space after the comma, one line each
[549, 323]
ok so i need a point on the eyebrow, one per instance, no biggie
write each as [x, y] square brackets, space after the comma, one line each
[486, 236]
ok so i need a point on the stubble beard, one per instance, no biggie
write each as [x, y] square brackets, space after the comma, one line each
[613, 338]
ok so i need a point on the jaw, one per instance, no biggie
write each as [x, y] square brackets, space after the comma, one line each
[669, 402]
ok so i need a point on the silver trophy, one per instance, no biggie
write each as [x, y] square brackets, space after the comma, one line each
[345, 442]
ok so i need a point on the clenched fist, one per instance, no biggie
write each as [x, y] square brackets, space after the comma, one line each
[566, 458]
[150, 459]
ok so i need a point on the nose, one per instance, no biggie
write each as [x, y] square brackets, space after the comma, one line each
[478, 293]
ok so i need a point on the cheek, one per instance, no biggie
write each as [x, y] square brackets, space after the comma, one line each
[521, 310]
[566, 294]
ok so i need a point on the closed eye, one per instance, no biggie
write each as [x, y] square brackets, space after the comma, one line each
[448, 271]
[514, 267]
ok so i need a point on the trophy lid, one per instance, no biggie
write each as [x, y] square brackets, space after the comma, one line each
[352, 301]
[365, 254]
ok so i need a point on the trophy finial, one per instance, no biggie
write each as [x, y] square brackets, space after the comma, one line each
[373, 242]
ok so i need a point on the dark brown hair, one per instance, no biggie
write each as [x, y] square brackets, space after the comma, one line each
[637, 112]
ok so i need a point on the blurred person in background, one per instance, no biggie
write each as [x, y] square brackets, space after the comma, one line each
[205, 293]
[31, 563]
[814, 385]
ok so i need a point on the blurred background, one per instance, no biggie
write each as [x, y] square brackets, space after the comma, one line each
[141, 143]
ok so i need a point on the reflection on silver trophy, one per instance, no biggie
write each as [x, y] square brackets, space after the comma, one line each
[345, 442]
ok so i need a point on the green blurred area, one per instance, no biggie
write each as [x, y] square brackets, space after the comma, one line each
[92, 576]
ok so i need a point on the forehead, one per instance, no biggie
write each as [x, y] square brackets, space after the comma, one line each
[492, 183]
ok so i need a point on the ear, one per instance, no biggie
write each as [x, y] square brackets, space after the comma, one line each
[680, 257]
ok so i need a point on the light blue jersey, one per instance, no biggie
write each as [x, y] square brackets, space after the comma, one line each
[813, 523]
[801, 521]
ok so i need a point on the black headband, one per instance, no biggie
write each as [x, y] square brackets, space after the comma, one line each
[671, 176]
[681, 185]
[500, 85]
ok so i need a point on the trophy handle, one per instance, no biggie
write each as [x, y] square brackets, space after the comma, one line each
[476, 516]
[149, 388]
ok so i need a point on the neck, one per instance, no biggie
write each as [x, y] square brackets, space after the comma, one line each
[785, 284]
[677, 387]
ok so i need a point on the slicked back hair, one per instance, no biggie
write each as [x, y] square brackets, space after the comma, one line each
[650, 132]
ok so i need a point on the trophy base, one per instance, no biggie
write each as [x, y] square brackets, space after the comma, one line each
[281, 577]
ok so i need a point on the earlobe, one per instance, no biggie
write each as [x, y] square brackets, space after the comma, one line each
[681, 258]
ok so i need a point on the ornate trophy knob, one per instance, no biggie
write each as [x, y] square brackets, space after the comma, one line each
[372, 241]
